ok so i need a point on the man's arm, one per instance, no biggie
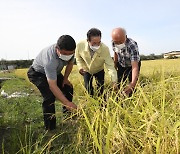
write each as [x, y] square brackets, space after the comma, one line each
[115, 60]
[135, 58]
[60, 96]
[110, 65]
[67, 72]
[79, 61]
[135, 74]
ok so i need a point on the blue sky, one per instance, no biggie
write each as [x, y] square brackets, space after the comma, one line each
[27, 26]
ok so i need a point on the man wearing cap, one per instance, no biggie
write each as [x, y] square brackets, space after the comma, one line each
[45, 73]
[126, 58]
[91, 56]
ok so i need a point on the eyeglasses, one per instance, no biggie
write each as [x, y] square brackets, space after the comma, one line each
[95, 43]
[117, 42]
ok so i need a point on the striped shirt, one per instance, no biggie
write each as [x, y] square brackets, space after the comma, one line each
[128, 54]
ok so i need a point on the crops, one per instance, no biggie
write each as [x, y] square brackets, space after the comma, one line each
[147, 122]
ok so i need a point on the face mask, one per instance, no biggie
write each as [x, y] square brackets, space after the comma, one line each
[94, 48]
[65, 57]
[120, 46]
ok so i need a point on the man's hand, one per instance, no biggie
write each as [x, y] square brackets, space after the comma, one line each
[128, 89]
[70, 106]
[115, 86]
[60, 96]
[66, 81]
[81, 71]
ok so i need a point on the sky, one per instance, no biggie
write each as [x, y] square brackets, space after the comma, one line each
[28, 26]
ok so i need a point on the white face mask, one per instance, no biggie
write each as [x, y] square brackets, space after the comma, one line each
[120, 46]
[94, 48]
[65, 57]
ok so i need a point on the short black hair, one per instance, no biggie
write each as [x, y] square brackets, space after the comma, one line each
[93, 32]
[66, 42]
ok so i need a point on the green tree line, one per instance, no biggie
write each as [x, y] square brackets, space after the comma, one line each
[27, 63]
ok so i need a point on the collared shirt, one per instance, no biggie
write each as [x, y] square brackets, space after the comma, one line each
[48, 62]
[128, 54]
[95, 64]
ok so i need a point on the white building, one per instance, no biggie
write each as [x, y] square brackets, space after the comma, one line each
[172, 54]
[11, 67]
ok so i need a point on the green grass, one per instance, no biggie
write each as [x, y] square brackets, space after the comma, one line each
[148, 122]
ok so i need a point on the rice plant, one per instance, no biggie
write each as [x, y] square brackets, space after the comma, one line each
[147, 122]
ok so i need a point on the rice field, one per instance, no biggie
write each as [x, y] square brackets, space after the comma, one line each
[148, 122]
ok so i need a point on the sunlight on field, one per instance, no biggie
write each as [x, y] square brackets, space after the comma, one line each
[153, 66]
[147, 68]
[21, 73]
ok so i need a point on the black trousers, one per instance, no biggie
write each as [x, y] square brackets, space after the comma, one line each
[125, 72]
[48, 104]
[99, 77]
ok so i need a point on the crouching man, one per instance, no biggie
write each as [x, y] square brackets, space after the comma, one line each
[91, 56]
[45, 73]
